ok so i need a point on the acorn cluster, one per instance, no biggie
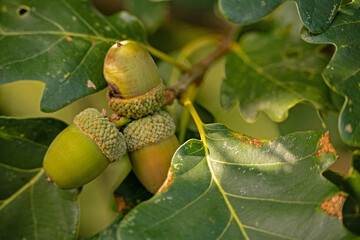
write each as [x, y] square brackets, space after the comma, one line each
[86, 147]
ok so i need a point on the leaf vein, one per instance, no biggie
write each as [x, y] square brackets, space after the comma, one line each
[181, 209]
[272, 200]
[270, 233]
[80, 64]
[19, 169]
[68, 6]
[81, 35]
[263, 164]
[259, 70]
[7, 137]
[36, 54]
[49, 21]
[226, 228]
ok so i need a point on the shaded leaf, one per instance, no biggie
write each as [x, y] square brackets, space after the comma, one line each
[273, 75]
[32, 208]
[342, 73]
[351, 185]
[348, 183]
[151, 13]
[234, 187]
[61, 43]
[132, 192]
[23, 143]
[315, 14]
[351, 214]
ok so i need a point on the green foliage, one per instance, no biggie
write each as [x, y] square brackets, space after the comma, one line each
[225, 185]
[273, 75]
[62, 50]
[316, 15]
[342, 73]
[232, 186]
[151, 13]
[350, 184]
[31, 207]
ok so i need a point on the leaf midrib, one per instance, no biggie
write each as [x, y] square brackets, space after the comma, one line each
[261, 71]
[88, 37]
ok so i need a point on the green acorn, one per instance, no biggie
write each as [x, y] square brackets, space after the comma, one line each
[135, 87]
[83, 150]
[151, 145]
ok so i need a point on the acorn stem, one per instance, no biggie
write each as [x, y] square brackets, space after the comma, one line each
[167, 58]
[121, 122]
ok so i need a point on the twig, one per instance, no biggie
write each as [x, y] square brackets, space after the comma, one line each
[196, 73]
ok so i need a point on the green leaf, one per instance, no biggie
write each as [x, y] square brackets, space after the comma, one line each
[31, 207]
[231, 186]
[273, 75]
[61, 43]
[342, 73]
[315, 14]
[151, 13]
[351, 214]
[348, 183]
[351, 185]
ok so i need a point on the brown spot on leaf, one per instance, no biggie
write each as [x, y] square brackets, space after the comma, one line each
[348, 127]
[169, 180]
[333, 206]
[121, 203]
[68, 38]
[90, 84]
[49, 180]
[325, 144]
[247, 139]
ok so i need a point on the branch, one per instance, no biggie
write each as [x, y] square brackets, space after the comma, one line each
[196, 73]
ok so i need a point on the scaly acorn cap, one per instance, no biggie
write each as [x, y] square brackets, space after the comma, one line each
[139, 106]
[104, 133]
[148, 130]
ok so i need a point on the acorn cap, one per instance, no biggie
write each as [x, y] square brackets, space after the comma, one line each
[139, 106]
[104, 133]
[148, 130]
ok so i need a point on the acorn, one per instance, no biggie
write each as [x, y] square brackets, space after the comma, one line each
[135, 87]
[151, 145]
[83, 150]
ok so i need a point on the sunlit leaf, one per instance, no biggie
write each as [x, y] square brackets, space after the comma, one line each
[232, 186]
